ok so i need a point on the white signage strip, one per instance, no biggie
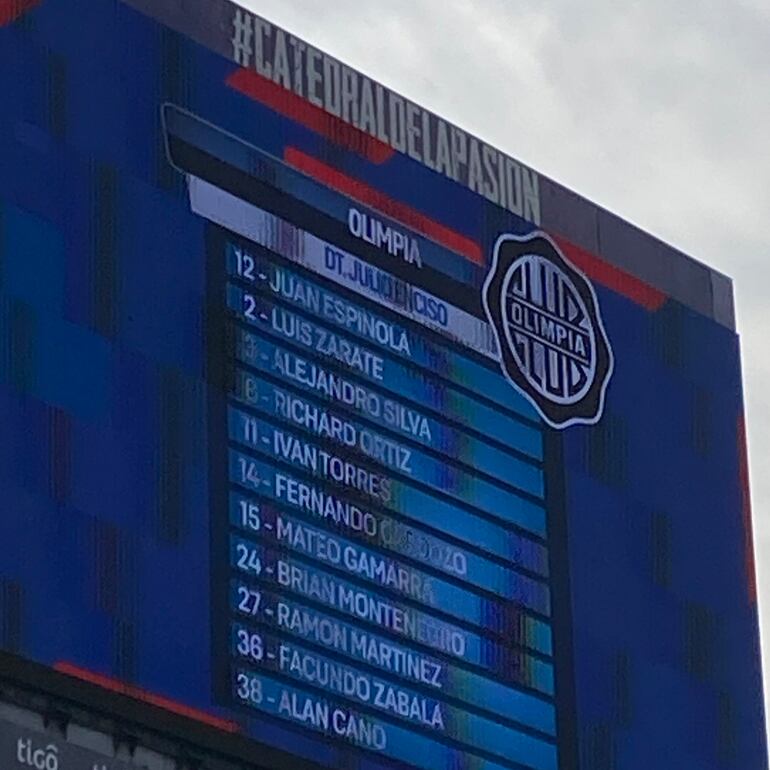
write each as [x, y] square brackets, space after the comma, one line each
[23, 748]
[341, 267]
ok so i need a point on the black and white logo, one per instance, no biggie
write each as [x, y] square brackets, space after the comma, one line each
[545, 316]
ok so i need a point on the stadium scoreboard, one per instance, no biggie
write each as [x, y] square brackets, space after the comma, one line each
[347, 482]
[342, 433]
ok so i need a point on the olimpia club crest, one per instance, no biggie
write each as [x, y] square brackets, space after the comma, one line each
[545, 315]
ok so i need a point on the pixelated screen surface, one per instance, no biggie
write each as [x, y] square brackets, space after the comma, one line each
[316, 432]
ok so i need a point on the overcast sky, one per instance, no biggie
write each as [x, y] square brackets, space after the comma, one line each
[657, 110]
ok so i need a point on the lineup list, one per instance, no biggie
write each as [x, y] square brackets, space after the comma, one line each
[360, 464]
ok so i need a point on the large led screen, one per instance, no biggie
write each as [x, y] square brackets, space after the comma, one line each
[321, 426]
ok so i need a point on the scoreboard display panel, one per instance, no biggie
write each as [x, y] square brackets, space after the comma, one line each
[334, 429]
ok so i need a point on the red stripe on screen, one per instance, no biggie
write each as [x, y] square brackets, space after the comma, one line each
[10, 10]
[298, 109]
[122, 688]
[612, 277]
[392, 208]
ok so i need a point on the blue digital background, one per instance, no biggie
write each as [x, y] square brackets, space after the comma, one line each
[104, 532]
